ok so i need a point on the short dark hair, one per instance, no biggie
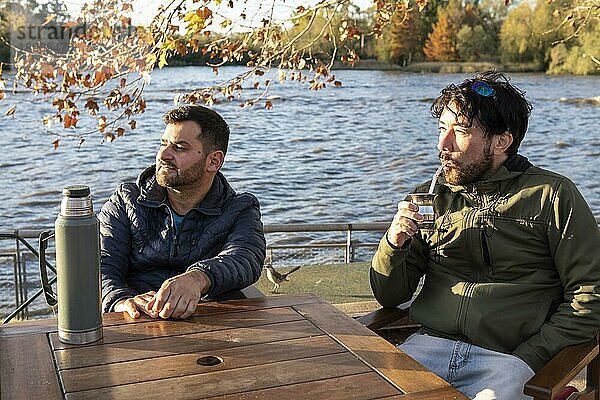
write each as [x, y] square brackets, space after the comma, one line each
[214, 131]
[507, 110]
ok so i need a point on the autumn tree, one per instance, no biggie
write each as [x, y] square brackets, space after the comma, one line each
[474, 43]
[478, 38]
[516, 36]
[529, 34]
[441, 42]
[577, 53]
[403, 40]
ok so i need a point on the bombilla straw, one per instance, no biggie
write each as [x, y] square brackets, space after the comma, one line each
[437, 173]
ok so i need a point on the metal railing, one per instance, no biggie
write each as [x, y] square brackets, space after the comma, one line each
[26, 285]
[348, 245]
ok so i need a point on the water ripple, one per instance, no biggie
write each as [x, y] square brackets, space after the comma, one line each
[345, 154]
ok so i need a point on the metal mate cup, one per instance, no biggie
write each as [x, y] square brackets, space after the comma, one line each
[425, 203]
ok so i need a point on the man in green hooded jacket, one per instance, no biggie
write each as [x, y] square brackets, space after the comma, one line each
[511, 265]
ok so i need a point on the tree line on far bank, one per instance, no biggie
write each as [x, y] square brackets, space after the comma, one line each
[527, 35]
[537, 35]
[531, 35]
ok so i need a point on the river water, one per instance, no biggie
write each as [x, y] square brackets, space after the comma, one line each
[346, 154]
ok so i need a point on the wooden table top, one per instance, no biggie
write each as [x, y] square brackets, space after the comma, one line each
[281, 347]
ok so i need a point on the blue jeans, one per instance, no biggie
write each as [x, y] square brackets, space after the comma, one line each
[479, 373]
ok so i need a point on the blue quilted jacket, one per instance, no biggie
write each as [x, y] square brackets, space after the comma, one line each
[222, 236]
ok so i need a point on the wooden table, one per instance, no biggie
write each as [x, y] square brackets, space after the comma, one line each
[282, 347]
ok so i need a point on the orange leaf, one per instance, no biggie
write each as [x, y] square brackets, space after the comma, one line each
[92, 106]
[102, 124]
[125, 21]
[47, 69]
[55, 144]
[422, 4]
[48, 19]
[120, 131]
[70, 24]
[268, 104]
[69, 121]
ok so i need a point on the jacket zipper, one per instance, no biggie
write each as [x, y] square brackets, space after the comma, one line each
[487, 258]
[470, 246]
[175, 245]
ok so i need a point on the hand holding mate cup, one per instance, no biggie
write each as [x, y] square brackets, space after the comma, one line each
[410, 217]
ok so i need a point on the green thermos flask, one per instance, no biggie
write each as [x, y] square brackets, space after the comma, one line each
[77, 241]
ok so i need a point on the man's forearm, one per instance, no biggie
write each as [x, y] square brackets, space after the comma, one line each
[389, 276]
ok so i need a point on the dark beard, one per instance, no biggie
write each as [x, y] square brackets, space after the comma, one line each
[463, 174]
[182, 179]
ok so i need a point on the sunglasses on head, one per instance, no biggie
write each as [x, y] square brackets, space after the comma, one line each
[483, 89]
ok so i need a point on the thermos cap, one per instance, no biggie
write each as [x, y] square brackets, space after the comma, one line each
[76, 191]
[76, 201]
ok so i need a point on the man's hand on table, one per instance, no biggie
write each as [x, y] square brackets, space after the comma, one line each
[134, 305]
[177, 297]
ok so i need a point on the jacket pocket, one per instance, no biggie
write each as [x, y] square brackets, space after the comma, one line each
[501, 316]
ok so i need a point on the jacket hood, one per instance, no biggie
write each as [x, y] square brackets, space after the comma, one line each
[514, 166]
[154, 195]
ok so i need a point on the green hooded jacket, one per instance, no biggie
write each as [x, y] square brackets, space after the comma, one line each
[512, 264]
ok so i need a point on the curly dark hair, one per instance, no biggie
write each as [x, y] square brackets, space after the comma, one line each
[214, 131]
[506, 110]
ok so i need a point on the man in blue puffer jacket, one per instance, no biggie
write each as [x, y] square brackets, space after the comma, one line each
[180, 234]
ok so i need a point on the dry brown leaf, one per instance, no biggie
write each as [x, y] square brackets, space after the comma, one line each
[55, 143]
[69, 121]
[102, 123]
[48, 19]
[11, 111]
[70, 24]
